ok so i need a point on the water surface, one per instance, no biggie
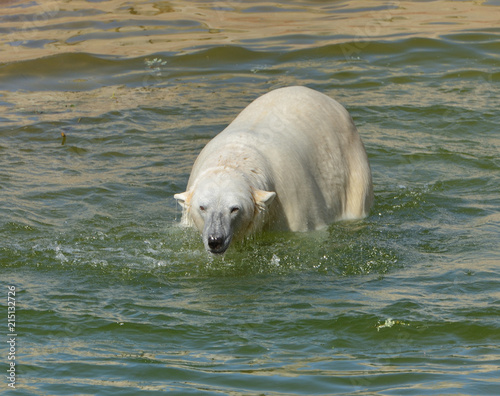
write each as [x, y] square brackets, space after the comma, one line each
[114, 297]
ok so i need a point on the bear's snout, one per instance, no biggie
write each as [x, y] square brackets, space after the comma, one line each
[216, 234]
[216, 244]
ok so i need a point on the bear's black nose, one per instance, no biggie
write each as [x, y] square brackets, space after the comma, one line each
[215, 242]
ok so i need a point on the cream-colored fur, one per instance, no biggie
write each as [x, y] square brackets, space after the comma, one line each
[292, 160]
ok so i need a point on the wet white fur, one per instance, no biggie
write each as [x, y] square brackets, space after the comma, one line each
[294, 141]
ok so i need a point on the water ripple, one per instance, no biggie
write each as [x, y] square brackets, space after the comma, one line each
[117, 298]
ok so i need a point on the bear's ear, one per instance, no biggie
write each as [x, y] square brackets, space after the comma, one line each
[263, 198]
[182, 198]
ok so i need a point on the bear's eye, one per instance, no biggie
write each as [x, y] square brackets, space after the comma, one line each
[235, 209]
[202, 208]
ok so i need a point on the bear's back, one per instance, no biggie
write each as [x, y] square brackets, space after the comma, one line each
[303, 145]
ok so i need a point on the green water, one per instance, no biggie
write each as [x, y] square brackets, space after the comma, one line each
[114, 298]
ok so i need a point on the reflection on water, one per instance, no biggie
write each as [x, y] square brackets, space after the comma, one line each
[138, 28]
[70, 67]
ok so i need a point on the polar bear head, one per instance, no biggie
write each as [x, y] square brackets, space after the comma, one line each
[223, 206]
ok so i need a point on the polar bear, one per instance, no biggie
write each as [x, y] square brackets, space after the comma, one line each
[291, 160]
